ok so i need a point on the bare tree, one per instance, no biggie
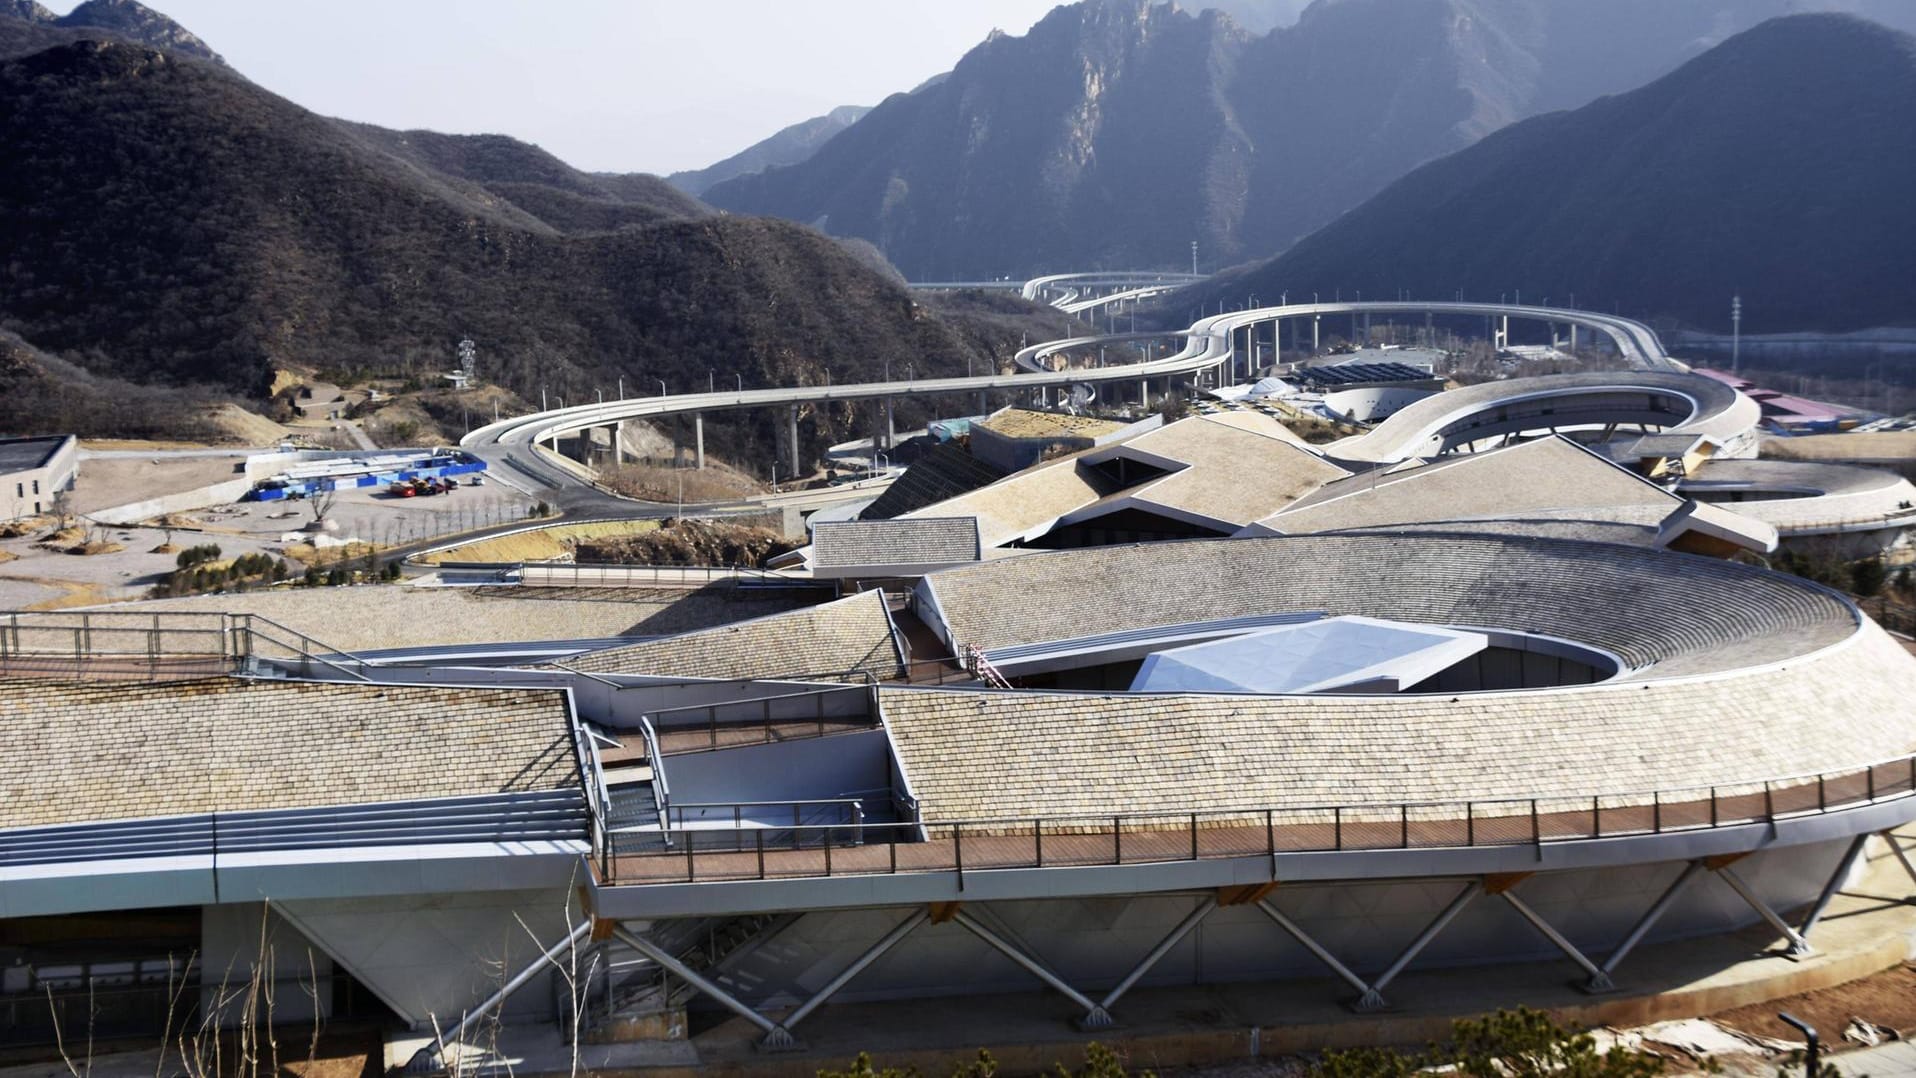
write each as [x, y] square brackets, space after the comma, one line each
[322, 503]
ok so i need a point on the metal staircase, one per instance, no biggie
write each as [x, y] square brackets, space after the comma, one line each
[624, 988]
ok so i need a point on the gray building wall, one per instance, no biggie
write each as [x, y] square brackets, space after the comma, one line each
[433, 957]
[250, 957]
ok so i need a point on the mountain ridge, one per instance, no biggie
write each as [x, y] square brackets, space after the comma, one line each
[1773, 166]
[1077, 146]
[172, 223]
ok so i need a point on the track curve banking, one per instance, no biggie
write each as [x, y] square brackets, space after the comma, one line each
[1208, 346]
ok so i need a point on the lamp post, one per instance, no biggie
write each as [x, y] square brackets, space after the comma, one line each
[739, 376]
[661, 383]
[1736, 333]
[710, 378]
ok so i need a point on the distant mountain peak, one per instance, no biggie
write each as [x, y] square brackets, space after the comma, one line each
[127, 20]
[26, 9]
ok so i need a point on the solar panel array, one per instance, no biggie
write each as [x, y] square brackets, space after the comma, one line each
[1343, 374]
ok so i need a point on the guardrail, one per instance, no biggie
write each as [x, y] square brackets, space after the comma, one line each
[760, 720]
[1158, 837]
[149, 646]
[551, 815]
[601, 575]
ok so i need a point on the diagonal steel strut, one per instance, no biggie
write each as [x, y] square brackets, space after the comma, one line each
[1183, 929]
[1317, 949]
[1650, 917]
[1798, 946]
[776, 1036]
[1835, 884]
[1374, 999]
[1095, 1017]
[1599, 980]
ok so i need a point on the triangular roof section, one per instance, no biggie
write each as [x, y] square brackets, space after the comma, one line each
[1549, 476]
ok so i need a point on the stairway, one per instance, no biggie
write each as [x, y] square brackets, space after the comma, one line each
[636, 1000]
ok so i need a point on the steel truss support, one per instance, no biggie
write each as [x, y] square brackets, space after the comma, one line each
[1373, 999]
[1599, 980]
[1798, 946]
[430, 1058]
[1095, 1016]
[1650, 917]
[891, 939]
[1835, 884]
[776, 1036]
[1896, 848]
[1171, 939]
[1371, 995]
[1343, 972]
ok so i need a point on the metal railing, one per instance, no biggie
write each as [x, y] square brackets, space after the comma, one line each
[120, 646]
[760, 720]
[148, 646]
[534, 816]
[711, 818]
[603, 575]
[1157, 837]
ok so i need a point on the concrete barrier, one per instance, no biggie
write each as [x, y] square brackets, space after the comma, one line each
[185, 501]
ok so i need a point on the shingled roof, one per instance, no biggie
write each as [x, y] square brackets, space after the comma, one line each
[854, 633]
[1543, 477]
[92, 751]
[1706, 614]
[985, 756]
[912, 543]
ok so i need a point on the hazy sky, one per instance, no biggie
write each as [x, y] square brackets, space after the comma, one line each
[608, 85]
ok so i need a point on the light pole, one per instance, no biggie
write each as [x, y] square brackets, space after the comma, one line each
[621, 387]
[1736, 333]
[710, 379]
[739, 376]
[1194, 258]
[661, 383]
[600, 393]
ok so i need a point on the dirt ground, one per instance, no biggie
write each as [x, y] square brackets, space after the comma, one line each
[1886, 999]
[38, 578]
[544, 544]
[106, 482]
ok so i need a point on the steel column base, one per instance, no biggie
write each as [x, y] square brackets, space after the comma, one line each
[779, 1040]
[1598, 984]
[1371, 1000]
[1097, 1018]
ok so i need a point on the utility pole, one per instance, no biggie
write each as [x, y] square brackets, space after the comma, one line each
[1736, 334]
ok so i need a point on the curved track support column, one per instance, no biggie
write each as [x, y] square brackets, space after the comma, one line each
[1095, 1016]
